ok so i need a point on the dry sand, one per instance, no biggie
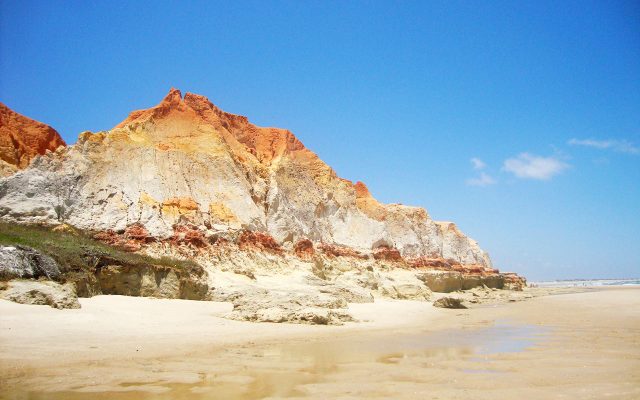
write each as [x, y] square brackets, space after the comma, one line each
[581, 345]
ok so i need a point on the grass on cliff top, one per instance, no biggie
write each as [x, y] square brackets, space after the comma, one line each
[80, 252]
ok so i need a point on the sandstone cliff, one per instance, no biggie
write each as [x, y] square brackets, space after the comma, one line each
[187, 165]
[21, 139]
[267, 224]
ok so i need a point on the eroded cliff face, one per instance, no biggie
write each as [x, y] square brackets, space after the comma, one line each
[21, 139]
[187, 167]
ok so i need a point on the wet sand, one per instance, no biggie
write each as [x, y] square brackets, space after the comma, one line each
[579, 345]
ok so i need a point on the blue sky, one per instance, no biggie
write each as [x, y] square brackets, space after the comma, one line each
[519, 121]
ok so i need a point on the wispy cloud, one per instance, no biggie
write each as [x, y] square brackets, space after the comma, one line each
[621, 146]
[529, 166]
[483, 180]
[478, 163]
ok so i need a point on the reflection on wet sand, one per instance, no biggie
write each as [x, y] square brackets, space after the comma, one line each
[295, 369]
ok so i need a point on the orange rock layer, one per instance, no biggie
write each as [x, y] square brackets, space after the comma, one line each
[22, 138]
[266, 144]
[304, 249]
[251, 240]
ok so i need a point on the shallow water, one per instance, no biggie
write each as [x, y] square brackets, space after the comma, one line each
[350, 364]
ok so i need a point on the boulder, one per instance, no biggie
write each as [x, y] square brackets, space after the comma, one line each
[291, 307]
[41, 293]
[25, 263]
[449, 302]
[405, 291]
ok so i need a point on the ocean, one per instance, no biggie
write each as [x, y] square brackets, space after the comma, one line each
[588, 282]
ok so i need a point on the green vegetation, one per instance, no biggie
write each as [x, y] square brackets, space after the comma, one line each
[77, 251]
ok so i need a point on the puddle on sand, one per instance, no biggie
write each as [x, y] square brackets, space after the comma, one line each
[291, 370]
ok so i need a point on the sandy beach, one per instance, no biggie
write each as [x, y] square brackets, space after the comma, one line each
[584, 344]
[314, 200]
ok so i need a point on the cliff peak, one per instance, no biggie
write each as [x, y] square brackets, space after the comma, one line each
[171, 102]
[362, 191]
[173, 97]
[265, 144]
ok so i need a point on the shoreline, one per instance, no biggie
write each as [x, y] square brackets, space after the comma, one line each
[38, 343]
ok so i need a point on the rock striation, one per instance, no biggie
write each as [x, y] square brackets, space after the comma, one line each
[185, 162]
[22, 139]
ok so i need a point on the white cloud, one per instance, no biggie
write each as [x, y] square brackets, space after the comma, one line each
[621, 146]
[529, 166]
[483, 180]
[478, 163]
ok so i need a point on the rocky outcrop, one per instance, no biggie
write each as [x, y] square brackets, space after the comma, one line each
[187, 165]
[26, 263]
[40, 293]
[449, 302]
[452, 281]
[406, 291]
[513, 281]
[149, 281]
[350, 293]
[22, 139]
[112, 276]
[443, 282]
[292, 307]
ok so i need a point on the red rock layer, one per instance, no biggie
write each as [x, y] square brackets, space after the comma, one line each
[185, 234]
[304, 249]
[22, 138]
[251, 240]
[135, 237]
[387, 253]
[340, 251]
[442, 264]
